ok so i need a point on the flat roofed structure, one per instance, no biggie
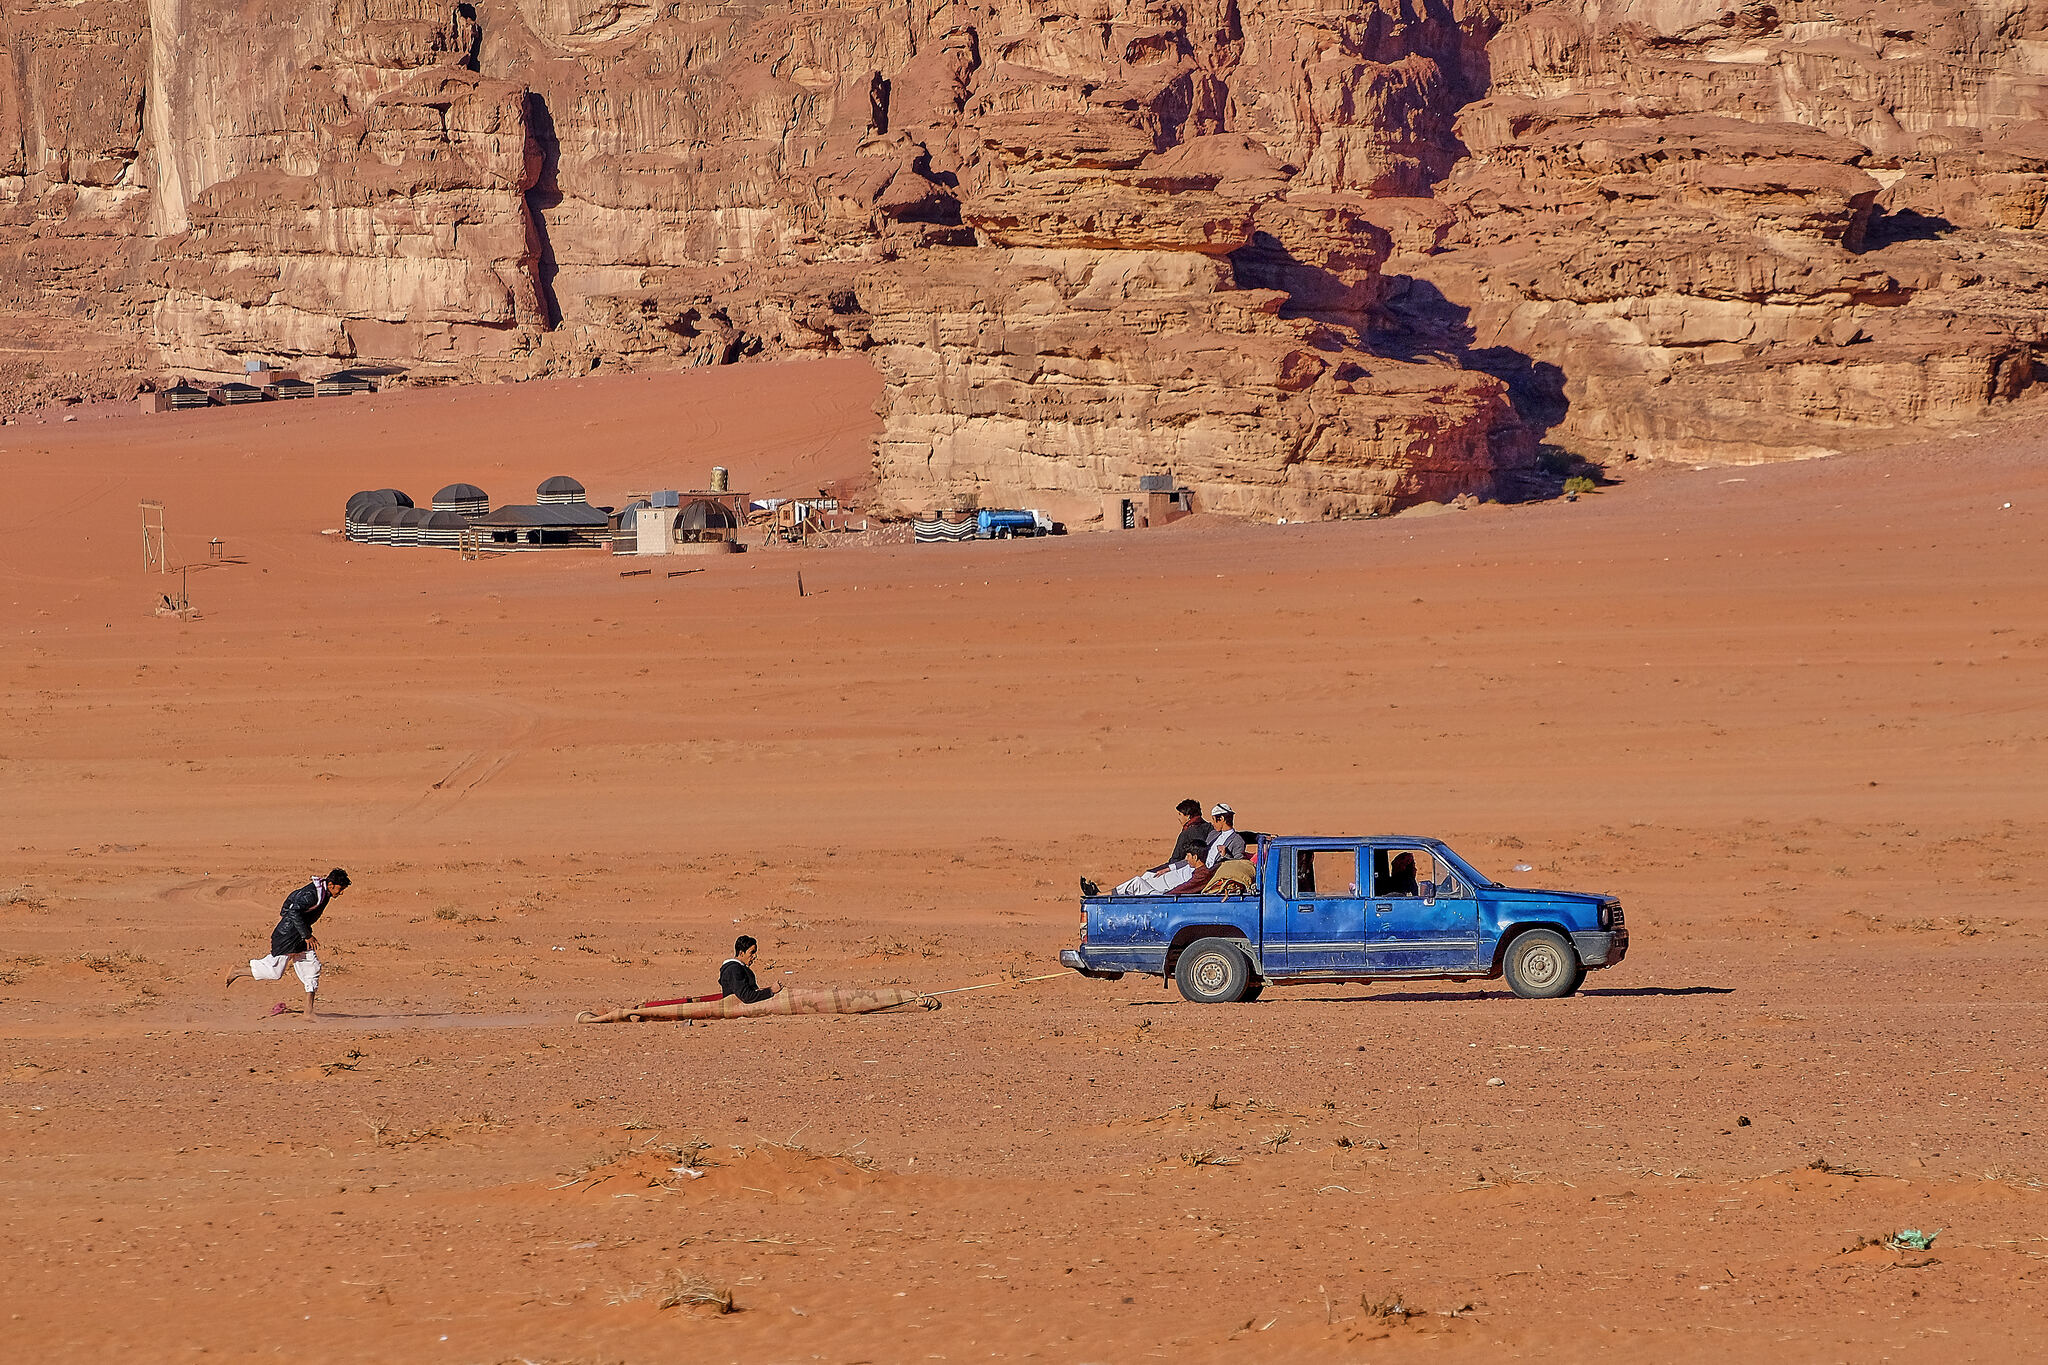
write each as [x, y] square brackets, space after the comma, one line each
[555, 526]
[227, 395]
[343, 382]
[289, 387]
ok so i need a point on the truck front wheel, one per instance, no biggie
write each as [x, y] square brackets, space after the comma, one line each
[1541, 965]
[1212, 972]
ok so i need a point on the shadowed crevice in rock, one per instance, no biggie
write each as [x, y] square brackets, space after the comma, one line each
[472, 30]
[1422, 324]
[1904, 225]
[543, 198]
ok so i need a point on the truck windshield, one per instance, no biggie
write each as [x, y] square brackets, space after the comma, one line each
[1471, 873]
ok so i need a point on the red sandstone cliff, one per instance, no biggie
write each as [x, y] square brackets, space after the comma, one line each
[1316, 260]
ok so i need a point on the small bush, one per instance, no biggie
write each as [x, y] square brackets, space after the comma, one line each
[1207, 1157]
[682, 1290]
[1579, 483]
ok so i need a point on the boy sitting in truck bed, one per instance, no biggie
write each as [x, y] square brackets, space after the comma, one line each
[1190, 851]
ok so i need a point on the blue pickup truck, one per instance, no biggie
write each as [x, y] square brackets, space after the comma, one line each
[1347, 910]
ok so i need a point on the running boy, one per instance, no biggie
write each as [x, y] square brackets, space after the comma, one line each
[292, 941]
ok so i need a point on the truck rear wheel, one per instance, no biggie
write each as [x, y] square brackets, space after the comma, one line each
[1542, 965]
[1211, 971]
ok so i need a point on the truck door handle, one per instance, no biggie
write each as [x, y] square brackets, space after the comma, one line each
[1382, 909]
[1306, 909]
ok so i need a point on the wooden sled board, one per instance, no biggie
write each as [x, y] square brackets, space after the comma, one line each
[840, 1000]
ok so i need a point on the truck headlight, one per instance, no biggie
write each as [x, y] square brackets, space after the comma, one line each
[1607, 915]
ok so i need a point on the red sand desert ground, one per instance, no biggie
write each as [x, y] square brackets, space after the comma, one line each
[1793, 715]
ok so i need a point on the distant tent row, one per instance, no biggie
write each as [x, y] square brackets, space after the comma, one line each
[409, 526]
[184, 395]
[386, 516]
[560, 518]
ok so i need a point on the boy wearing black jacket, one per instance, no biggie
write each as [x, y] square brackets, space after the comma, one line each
[292, 942]
[736, 973]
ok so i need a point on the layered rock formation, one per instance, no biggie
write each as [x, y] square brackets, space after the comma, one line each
[1746, 233]
[1322, 260]
[73, 218]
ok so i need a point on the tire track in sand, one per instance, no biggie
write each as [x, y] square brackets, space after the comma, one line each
[476, 767]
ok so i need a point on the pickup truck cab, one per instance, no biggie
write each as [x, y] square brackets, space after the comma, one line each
[1350, 910]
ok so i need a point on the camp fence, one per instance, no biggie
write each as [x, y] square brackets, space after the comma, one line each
[931, 532]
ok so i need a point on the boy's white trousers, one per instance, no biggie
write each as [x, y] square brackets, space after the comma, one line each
[306, 965]
[1157, 882]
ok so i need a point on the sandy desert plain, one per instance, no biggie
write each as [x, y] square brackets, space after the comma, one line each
[1793, 715]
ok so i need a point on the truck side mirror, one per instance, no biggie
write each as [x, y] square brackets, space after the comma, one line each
[1427, 890]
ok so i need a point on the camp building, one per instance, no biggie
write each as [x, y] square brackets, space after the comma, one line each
[672, 523]
[559, 518]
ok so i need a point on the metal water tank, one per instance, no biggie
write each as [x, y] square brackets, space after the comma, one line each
[720, 482]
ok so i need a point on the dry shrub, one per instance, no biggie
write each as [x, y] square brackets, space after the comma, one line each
[680, 1289]
[590, 1166]
[689, 1152]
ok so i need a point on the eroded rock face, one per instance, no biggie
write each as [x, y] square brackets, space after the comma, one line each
[1700, 233]
[1315, 261]
[73, 218]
